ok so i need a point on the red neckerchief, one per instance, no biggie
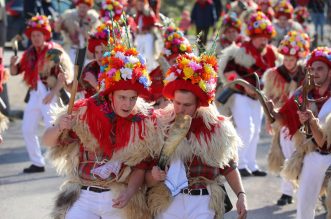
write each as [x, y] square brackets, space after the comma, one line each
[317, 95]
[111, 131]
[263, 62]
[31, 62]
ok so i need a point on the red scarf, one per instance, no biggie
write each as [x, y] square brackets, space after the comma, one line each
[204, 3]
[111, 131]
[263, 62]
[32, 62]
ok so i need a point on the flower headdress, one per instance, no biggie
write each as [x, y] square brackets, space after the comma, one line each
[103, 36]
[295, 44]
[283, 8]
[265, 2]
[301, 14]
[111, 10]
[124, 69]
[90, 3]
[195, 74]
[175, 43]
[260, 25]
[231, 20]
[322, 54]
[39, 23]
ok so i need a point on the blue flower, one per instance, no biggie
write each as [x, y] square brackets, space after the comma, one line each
[141, 59]
[106, 54]
[102, 68]
[144, 81]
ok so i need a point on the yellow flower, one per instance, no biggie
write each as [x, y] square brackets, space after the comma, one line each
[182, 47]
[170, 38]
[185, 61]
[263, 26]
[117, 75]
[188, 72]
[208, 69]
[203, 86]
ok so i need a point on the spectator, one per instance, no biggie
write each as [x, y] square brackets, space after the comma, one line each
[316, 8]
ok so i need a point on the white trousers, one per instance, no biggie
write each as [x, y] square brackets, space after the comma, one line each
[310, 183]
[34, 111]
[247, 116]
[145, 46]
[188, 206]
[287, 145]
[93, 205]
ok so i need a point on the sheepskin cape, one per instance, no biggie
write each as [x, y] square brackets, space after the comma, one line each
[214, 141]
[92, 125]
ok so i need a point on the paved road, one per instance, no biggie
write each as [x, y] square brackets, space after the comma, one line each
[31, 196]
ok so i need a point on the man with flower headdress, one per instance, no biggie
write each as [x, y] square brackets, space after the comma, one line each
[207, 153]
[102, 144]
[230, 31]
[301, 15]
[279, 85]
[175, 44]
[266, 8]
[308, 164]
[75, 24]
[253, 56]
[97, 42]
[43, 90]
[284, 22]
[145, 36]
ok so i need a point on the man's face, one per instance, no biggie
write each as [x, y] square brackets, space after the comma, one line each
[82, 9]
[290, 62]
[321, 73]
[185, 103]
[282, 21]
[37, 38]
[140, 5]
[260, 42]
[98, 54]
[231, 34]
[123, 101]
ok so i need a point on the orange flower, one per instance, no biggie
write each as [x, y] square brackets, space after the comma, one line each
[132, 52]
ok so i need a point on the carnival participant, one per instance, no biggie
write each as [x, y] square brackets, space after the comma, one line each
[41, 97]
[312, 158]
[253, 56]
[230, 31]
[279, 85]
[75, 24]
[284, 22]
[101, 145]
[266, 7]
[145, 37]
[207, 152]
[175, 44]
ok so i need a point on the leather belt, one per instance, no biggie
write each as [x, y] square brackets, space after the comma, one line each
[194, 191]
[94, 189]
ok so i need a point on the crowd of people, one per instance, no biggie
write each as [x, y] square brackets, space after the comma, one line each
[155, 131]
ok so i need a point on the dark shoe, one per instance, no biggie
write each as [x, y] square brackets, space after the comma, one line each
[284, 200]
[259, 173]
[245, 172]
[34, 169]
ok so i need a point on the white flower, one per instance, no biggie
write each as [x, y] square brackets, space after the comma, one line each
[132, 59]
[210, 86]
[126, 73]
[120, 55]
[170, 77]
[292, 51]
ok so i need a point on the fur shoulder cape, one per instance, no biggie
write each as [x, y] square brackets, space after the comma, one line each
[213, 139]
[92, 126]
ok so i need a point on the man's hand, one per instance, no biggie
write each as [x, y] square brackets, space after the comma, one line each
[242, 206]
[305, 116]
[158, 174]
[124, 197]
[90, 78]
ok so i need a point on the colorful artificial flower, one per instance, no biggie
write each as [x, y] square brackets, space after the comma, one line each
[301, 14]
[295, 44]
[322, 54]
[111, 9]
[260, 25]
[283, 8]
[124, 68]
[197, 74]
[39, 23]
[231, 20]
[175, 43]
